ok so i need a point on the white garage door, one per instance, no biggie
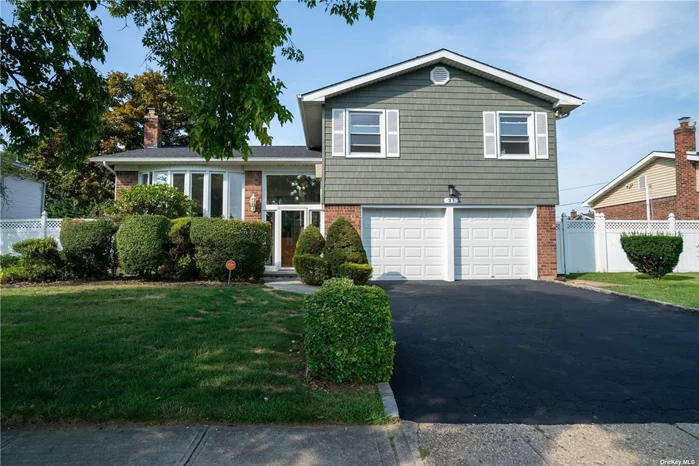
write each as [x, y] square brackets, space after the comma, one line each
[492, 243]
[404, 243]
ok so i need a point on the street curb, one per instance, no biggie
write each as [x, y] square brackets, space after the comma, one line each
[389, 401]
[630, 296]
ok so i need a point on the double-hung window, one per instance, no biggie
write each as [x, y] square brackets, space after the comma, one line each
[516, 135]
[365, 130]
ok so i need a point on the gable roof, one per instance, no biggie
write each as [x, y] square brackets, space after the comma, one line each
[310, 103]
[185, 154]
[621, 178]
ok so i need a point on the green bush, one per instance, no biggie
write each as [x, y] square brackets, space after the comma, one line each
[39, 260]
[140, 243]
[89, 247]
[358, 273]
[348, 333]
[218, 240]
[179, 250]
[8, 260]
[343, 244]
[654, 255]
[13, 273]
[310, 241]
[312, 269]
[154, 199]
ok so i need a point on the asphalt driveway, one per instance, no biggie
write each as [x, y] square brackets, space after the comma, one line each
[540, 353]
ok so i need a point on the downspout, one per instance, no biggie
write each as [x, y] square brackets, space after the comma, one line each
[106, 165]
[648, 212]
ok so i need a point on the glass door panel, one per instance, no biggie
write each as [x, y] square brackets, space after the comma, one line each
[270, 218]
[291, 228]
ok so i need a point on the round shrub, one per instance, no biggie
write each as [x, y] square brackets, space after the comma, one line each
[310, 241]
[140, 242]
[343, 244]
[154, 199]
[88, 247]
[348, 333]
[8, 260]
[179, 250]
[654, 255]
[358, 273]
[39, 260]
[218, 240]
[312, 269]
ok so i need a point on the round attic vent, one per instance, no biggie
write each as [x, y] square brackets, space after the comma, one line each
[439, 75]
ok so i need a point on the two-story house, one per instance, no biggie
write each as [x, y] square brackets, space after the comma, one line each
[445, 165]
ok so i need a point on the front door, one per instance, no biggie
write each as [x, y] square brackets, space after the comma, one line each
[292, 223]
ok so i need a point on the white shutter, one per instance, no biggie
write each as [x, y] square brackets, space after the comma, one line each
[338, 126]
[542, 135]
[392, 134]
[489, 135]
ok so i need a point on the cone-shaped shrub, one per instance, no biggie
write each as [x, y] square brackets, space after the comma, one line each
[343, 244]
[310, 242]
[654, 255]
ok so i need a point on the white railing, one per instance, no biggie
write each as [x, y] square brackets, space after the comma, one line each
[16, 230]
[595, 245]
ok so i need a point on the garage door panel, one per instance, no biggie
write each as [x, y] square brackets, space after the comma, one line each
[404, 243]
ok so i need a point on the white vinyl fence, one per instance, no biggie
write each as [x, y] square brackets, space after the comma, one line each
[16, 230]
[595, 246]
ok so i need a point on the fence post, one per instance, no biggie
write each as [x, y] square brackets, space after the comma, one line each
[672, 226]
[43, 224]
[600, 243]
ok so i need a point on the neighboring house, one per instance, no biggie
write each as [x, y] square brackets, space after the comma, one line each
[659, 184]
[20, 197]
[574, 215]
[445, 165]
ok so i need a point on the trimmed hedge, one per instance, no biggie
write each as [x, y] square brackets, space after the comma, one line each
[310, 241]
[140, 243]
[654, 255]
[179, 250]
[358, 273]
[312, 269]
[39, 261]
[88, 247]
[343, 244]
[348, 333]
[153, 199]
[217, 240]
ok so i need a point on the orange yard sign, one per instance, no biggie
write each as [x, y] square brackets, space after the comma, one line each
[230, 265]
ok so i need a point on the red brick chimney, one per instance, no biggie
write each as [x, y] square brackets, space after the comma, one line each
[152, 133]
[687, 199]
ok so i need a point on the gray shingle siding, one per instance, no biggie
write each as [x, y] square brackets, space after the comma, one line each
[441, 143]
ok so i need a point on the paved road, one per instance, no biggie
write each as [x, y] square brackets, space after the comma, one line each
[540, 353]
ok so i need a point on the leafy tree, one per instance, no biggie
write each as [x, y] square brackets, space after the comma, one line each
[218, 56]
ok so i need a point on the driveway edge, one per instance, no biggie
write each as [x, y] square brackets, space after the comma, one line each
[389, 401]
[624, 295]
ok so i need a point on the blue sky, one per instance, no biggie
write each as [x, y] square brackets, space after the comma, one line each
[637, 64]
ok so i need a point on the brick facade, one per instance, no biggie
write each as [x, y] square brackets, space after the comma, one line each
[546, 241]
[125, 180]
[253, 185]
[353, 213]
[660, 209]
[152, 132]
[687, 202]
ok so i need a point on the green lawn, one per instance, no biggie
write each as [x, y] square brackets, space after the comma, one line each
[164, 354]
[677, 288]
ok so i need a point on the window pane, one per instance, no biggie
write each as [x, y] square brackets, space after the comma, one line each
[178, 181]
[159, 178]
[216, 195]
[270, 219]
[144, 178]
[198, 193]
[293, 189]
[315, 219]
[366, 139]
[366, 149]
[514, 148]
[514, 125]
[366, 119]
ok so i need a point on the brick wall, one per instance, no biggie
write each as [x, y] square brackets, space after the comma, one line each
[353, 213]
[253, 185]
[125, 180]
[660, 209]
[685, 173]
[546, 241]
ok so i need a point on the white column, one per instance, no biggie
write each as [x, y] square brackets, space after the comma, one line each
[600, 243]
[671, 223]
[448, 235]
[226, 196]
[43, 224]
[206, 198]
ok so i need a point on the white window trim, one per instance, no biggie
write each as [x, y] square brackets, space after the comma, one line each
[531, 132]
[382, 127]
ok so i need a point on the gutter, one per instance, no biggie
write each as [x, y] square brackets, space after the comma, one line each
[111, 170]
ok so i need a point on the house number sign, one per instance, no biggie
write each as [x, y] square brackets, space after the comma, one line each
[451, 200]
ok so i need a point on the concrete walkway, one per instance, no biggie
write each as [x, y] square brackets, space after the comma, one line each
[210, 445]
[294, 286]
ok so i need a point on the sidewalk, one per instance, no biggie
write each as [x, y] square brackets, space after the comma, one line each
[210, 445]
